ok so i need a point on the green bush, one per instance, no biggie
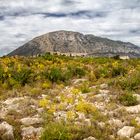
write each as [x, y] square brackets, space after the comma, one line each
[22, 77]
[128, 99]
[76, 71]
[80, 72]
[120, 70]
[85, 88]
[49, 57]
[102, 72]
[1, 75]
[55, 75]
[56, 131]
[131, 82]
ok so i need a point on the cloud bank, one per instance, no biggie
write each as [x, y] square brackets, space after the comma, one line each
[22, 20]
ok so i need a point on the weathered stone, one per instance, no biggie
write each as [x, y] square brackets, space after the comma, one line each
[101, 96]
[100, 105]
[90, 138]
[76, 81]
[31, 121]
[28, 133]
[116, 123]
[101, 125]
[104, 86]
[104, 91]
[6, 131]
[60, 115]
[40, 110]
[137, 136]
[126, 131]
[81, 116]
[133, 109]
[87, 122]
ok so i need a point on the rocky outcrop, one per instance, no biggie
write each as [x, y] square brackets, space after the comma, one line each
[126, 132]
[74, 43]
[31, 121]
[133, 109]
[31, 133]
[137, 136]
[90, 138]
[6, 131]
[96, 109]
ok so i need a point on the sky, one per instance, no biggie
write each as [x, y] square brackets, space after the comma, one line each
[22, 20]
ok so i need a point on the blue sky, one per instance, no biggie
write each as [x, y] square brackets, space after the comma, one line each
[22, 20]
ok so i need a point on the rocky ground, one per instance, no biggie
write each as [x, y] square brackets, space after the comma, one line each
[23, 117]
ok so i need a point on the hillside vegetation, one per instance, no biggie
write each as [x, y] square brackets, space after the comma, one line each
[54, 97]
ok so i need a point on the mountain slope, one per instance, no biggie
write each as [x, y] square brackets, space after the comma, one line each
[73, 42]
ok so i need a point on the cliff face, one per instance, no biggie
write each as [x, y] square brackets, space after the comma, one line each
[74, 42]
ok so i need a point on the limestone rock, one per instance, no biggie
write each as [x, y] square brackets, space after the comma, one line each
[103, 92]
[87, 122]
[90, 138]
[126, 131]
[104, 86]
[31, 121]
[11, 101]
[28, 133]
[81, 116]
[137, 136]
[133, 109]
[6, 131]
[116, 123]
[101, 125]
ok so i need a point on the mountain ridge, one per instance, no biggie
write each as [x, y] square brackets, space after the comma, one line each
[70, 42]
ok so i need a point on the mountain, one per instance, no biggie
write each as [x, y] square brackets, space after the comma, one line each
[74, 43]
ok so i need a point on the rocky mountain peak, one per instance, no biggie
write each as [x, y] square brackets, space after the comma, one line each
[69, 42]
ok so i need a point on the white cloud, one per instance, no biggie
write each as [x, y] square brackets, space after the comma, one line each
[21, 20]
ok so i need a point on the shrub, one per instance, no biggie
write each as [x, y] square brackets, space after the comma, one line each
[55, 75]
[76, 71]
[85, 88]
[46, 85]
[79, 72]
[55, 131]
[120, 70]
[131, 82]
[22, 76]
[1, 74]
[128, 99]
[85, 107]
[101, 72]
[49, 57]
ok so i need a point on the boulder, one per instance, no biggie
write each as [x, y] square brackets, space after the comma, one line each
[6, 131]
[126, 132]
[11, 101]
[29, 133]
[103, 91]
[81, 116]
[137, 136]
[116, 123]
[133, 109]
[31, 121]
[90, 138]
[87, 122]
[104, 86]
